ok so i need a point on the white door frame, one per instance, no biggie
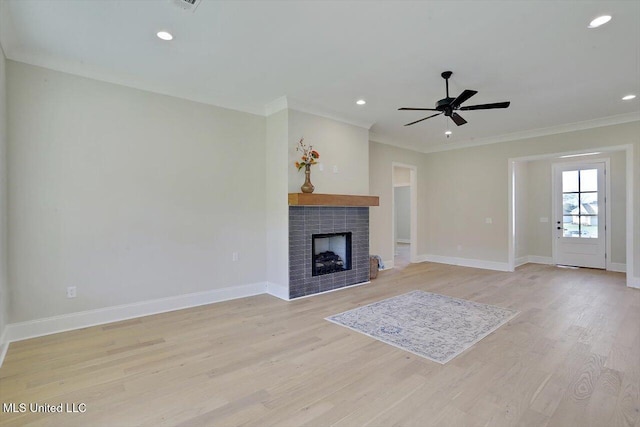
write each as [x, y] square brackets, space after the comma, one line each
[413, 196]
[632, 281]
[607, 205]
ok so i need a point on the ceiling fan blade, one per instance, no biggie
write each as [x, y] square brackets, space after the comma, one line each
[462, 97]
[417, 109]
[418, 121]
[457, 119]
[486, 106]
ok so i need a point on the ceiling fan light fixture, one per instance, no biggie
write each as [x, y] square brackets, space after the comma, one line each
[628, 97]
[164, 35]
[361, 102]
[599, 21]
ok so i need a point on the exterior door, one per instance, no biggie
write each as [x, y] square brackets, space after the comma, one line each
[579, 218]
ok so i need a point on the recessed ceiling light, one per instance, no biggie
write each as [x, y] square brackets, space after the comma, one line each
[448, 132]
[164, 35]
[361, 102]
[600, 20]
[628, 97]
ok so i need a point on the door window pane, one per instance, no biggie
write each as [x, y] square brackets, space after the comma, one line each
[589, 180]
[590, 230]
[590, 199]
[569, 203]
[569, 228]
[570, 181]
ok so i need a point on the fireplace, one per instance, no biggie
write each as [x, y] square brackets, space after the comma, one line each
[314, 230]
[331, 253]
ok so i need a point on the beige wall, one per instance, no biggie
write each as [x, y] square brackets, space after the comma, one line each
[464, 187]
[128, 195]
[4, 285]
[459, 189]
[339, 144]
[471, 184]
[537, 196]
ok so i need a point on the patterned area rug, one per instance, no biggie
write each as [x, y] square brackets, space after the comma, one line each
[434, 326]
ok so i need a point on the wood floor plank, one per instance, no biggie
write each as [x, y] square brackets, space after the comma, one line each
[571, 357]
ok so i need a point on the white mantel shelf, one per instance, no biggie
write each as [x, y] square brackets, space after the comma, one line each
[311, 199]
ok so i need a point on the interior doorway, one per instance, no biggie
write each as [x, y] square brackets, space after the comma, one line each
[404, 215]
[540, 218]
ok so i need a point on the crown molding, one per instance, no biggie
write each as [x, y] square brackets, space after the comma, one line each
[275, 106]
[285, 102]
[124, 79]
[534, 133]
[140, 84]
[383, 139]
[6, 35]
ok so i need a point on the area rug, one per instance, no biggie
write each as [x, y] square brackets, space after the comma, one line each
[433, 326]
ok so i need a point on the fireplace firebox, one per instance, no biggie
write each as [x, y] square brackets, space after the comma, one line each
[331, 253]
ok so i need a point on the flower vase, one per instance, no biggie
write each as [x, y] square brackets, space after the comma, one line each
[307, 187]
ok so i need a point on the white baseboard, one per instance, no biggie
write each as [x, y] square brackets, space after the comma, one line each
[465, 262]
[633, 282]
[278, 291]
[66, 322]
[388, 265]
[420, 258]
[533, 259]
[617, 267]
[3, 335]
[536, 259]
[3, 351]
[403, 241]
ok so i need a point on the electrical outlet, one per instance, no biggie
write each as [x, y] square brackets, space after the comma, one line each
[544, 219]
[459, 248]
[234, 256]
[321, 166]
[71, 292]
[335, 168]
[488, 220]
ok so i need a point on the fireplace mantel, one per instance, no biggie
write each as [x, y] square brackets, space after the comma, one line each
[311, 199]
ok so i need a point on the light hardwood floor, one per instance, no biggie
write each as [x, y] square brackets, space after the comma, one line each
[570, 358]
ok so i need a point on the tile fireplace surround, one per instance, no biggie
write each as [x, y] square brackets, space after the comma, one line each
[304, 221]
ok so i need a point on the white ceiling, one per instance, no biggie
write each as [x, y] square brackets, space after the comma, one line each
[324, 55]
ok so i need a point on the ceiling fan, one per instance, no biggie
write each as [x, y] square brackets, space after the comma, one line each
[448, 105]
